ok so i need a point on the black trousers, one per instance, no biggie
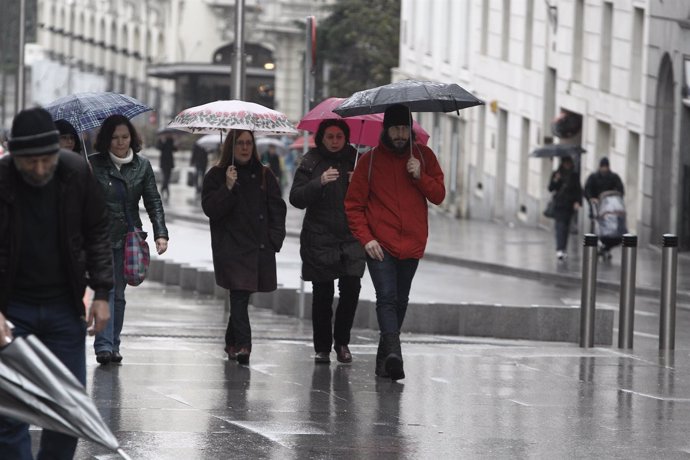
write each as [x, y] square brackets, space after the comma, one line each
[325, 332]
[239, 332]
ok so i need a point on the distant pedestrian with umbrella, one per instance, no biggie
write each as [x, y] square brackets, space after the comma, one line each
[53, 243]
[166, 146]
[567, 199]
[125, 178]
[246, 212]
[386, 207]
[69, 138]
[329, 250]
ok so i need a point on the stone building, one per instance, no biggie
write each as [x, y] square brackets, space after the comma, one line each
[621, 68]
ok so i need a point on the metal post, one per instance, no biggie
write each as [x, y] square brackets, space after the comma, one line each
[626, 313]
[238, 64]
[589, 293]
[20, 97]
[667, 317]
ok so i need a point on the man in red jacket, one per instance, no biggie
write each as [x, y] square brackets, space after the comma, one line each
[386, 207]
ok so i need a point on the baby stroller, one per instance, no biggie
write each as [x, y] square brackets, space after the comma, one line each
[609, 219]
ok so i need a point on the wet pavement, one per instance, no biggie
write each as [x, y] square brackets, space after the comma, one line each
[176, 396]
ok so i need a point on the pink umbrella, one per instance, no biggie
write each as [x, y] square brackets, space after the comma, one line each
[364, 129]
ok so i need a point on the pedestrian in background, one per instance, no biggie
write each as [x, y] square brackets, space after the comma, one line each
[328, 249]
[53, 242]
[602, 180]
[166, 146]
[246, 212]
[386, 206]
[567, 198]
[69, 138]
[271, 158]
[199, 160]
[125, 178]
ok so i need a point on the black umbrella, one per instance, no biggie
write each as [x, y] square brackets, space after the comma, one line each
[417, 95]
[37, 388]
[558, 150]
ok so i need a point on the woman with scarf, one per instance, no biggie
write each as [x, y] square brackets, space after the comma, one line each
[241, 198]
[329, 250]
[125, 178]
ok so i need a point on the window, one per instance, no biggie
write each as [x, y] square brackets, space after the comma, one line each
[578, 39]
[529, 19]
[605, 55]
[505, 42]
[636, 55]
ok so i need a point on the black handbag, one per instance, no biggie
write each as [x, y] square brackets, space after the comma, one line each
[550, 210]
[191, 178]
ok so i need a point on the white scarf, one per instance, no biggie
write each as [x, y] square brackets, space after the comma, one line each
[121, 161]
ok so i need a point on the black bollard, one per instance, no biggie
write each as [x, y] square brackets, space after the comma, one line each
[626, 313]
[667, 316]
[589, 293]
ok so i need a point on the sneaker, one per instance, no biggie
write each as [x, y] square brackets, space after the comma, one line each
[322, 357]
[561, 255]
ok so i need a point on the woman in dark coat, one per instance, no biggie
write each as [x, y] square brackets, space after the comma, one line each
[69, 138]
[125, 178]
[329, 250]
[567, 196]
[241, 198]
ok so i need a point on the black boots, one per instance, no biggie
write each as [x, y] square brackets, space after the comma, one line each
[389, 362]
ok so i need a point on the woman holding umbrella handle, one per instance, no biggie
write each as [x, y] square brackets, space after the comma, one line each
[242, 200]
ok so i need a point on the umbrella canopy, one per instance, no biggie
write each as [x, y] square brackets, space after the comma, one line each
[209, 141]
[558, 150]
[225, 115]
[417, 95]
[262, 144]
[37, 388]
[86, 111]
[299, 143]
[364, 129]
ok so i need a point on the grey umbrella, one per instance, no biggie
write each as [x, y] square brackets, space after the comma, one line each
[558, 150]
[417, 95]
[37, 388]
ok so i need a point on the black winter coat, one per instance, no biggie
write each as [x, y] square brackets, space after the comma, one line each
[567, 191]
[597, 183]
[83, 229]
[247, 226]
[140, 182]
[327, 246]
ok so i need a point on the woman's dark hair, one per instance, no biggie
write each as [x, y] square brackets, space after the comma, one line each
[66, 128]
[227, 150]
[105, 134]
[325, 124]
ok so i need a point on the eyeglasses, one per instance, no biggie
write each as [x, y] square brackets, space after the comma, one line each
[244, 143]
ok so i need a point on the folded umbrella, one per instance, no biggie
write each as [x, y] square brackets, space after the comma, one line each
[37, 388]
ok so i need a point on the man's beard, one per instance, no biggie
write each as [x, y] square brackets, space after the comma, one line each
[38, 181]
[403, 146]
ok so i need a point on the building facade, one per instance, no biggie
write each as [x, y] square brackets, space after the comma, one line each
[618, 66]
[171, 54]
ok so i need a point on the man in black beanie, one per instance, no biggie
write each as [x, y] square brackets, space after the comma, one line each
[53, 242]
[386, 207]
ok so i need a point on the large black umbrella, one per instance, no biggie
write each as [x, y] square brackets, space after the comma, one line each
[558, 150]
[417, 95]
[37, 388]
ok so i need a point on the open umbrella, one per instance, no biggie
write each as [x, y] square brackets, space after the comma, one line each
[221, 116]
[263, 143]
[88, 110]
[558, 150]
[37, 388]
[364, 129]
[417, 95]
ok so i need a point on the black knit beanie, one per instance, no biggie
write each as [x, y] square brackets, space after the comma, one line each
[33, 133]
[396, 115]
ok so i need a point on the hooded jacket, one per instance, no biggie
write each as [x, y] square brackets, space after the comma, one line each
[386, 204]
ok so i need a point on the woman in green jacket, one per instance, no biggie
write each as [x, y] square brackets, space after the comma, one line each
[125, 178]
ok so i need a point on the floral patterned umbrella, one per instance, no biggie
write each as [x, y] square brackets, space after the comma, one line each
[221, 116]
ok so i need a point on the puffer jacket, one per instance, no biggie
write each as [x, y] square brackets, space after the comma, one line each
[83, 229]
[139, 182]
[327, 246]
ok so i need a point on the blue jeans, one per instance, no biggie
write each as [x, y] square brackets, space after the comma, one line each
[109, 338]
[392, 280]
[562, 228]
[63, 333]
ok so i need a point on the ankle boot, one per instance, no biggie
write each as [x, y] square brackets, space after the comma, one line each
[393, 356]
[380, 361]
